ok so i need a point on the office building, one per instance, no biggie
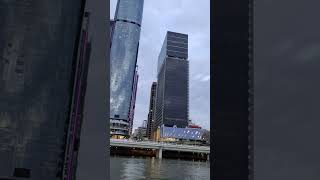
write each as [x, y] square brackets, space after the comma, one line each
[142, 131]
[150, 122]
[37, 72]
[173, 82]
[123, 61]
[133, 100]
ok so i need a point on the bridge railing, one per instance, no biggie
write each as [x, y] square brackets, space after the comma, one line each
[159, 143]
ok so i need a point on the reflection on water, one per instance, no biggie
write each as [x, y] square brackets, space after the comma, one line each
[126, 168]
[128, 171]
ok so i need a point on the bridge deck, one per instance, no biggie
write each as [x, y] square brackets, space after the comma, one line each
[163, 146]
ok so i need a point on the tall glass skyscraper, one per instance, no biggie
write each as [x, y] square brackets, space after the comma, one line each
[172, 98]
[38, 45]
[111, 29]
[123, 59]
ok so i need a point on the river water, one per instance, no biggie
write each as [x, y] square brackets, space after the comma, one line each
[135, 168]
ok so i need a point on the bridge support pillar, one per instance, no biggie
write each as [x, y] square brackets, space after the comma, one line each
[208, 157]
[159, 153]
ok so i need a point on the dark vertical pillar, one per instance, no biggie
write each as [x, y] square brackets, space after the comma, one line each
[93, 159]
[38, 53]
[230, 67]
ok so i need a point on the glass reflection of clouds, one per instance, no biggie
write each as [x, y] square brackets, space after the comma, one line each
[130, 10]
[123, 59]
[123, 62]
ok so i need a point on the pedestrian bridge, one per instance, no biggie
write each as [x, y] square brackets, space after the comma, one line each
[160, 146]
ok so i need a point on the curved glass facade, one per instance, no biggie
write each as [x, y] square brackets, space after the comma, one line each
[130, 10]
[37, 40]
[123, 59]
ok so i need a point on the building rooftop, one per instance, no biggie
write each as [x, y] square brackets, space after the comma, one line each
[182, 133]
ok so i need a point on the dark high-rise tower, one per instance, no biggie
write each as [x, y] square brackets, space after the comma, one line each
[38, 57]
[123, 59]
[151, 110]
[173, 82]
[133, 100]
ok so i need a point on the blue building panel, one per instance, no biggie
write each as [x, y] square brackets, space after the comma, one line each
[182, 133]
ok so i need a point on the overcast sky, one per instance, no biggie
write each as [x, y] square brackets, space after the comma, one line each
[185, 16]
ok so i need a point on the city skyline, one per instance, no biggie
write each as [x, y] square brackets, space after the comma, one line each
[155, 25]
